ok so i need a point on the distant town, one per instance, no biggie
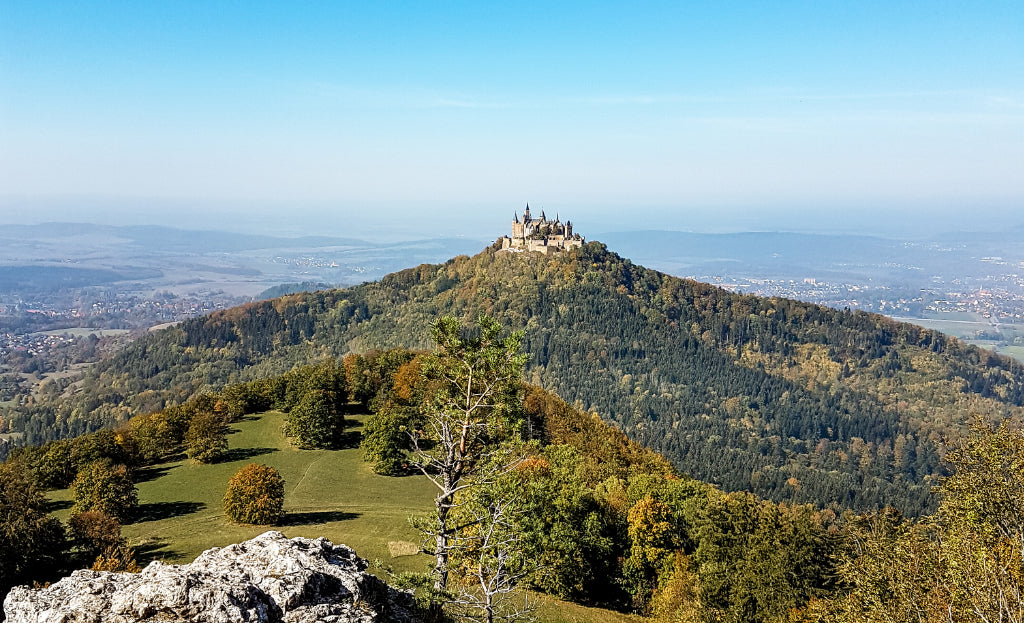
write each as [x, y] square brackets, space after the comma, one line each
[1002, 300]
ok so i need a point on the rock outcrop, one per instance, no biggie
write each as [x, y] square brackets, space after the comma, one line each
[268, 579]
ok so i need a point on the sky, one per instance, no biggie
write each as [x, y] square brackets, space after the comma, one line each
[446, 117]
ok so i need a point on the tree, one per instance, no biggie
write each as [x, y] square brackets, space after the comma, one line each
[315, 399]
[652, 543]
[105, 487]
[473, 405]
[385, 439]
[678, 599]
[207, 438]
[566, 530]
[490, 558]
[314, 422]
[255, 495]
[55, 467]
[982, 513]
[33, 543]
[964, 564]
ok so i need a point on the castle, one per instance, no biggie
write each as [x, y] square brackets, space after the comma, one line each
[540, 234]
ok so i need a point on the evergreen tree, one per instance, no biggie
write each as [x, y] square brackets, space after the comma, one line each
[474, 406]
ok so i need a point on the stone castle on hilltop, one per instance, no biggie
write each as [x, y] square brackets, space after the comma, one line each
[540, 234]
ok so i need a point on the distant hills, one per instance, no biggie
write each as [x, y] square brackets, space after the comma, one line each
[786, 255]
[50, 258]
[793, 401]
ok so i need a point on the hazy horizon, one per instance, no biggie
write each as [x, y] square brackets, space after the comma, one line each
[384, 221]
[398, 120]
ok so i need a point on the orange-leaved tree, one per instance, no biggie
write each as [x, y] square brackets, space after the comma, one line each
[255, 495]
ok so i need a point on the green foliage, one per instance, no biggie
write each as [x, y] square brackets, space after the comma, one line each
[985, 494]
[678, 597]
[566, 529]
[313, 422]
[385, 440]
[371, 376]
[652, 543]
[56, 465]
[255, 495]
[315, 397]
[488, 561]
[892, 568]
[397, 406]
[105, 487]
[154, 435]
[245, 398]
[470, 426]
[964, 564]
[207, 438]
[746, 551]
[33, 543]
[982, 515]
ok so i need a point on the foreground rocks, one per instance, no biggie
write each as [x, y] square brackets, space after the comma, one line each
[268, 579]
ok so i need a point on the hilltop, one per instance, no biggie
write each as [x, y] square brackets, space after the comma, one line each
[790, 400]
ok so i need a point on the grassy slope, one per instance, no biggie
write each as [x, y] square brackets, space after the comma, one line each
[328, 493]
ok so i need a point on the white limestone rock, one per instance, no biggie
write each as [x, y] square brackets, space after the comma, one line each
[268, 579]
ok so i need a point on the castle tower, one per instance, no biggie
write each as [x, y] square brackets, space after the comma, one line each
[541, 235]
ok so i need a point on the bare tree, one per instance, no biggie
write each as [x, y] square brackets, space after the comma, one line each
[494, 563]
[474, 405]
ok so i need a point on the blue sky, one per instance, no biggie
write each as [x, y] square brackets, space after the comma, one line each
[681, 115]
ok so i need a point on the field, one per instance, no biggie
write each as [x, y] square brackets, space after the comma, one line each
[86, 332]
[978, 330]
[328, 493]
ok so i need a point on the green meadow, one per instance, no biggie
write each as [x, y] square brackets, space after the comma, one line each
[329, 493]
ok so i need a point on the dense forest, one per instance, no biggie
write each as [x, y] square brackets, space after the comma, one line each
[791, 401]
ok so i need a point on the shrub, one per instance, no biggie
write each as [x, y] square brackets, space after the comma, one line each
[94, 532]
[118, 558]
[255, 495]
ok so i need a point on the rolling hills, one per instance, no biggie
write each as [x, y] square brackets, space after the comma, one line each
[790, 400]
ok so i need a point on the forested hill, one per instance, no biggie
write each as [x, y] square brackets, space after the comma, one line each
[790, 400]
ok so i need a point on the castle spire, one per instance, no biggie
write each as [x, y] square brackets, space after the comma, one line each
[515, 217]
